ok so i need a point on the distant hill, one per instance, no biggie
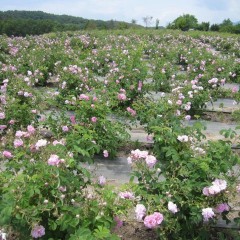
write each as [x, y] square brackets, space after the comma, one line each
[38, 22]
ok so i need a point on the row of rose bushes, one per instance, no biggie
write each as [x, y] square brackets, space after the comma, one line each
[45, 191]
[185, 184]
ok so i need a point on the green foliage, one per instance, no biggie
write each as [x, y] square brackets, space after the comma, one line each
[184, 22]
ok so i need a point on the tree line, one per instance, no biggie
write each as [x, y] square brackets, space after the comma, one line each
[187, 22]
[22, 23]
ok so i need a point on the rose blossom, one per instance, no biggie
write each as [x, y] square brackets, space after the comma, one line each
[38, 231]
[41, 143]
[31, 129]
[65, 128]
[18, 143]
[182, 138]
[7, 154]
[140, 211]
[207, 213]
[2, 127]
[105, 153]
[101, 180]
[150, 161]
[151, 221]
[158, 217]
[2, 115]
[54, 160]
[126, 195]
[94, 119]
[122, 97]
[72, 119]
[172, 207]
[20, 133]
[222, 207]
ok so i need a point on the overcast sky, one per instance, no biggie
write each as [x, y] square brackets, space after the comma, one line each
[166, 11]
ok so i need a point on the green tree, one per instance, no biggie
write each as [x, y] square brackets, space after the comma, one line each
[204, 26]
[214, 27]
[226, 26]
[184, 22]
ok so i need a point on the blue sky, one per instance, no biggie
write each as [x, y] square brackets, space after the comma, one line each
[166, 11]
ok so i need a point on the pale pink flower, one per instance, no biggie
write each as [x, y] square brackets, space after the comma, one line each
[34, 111]
[105, 153]
[205, 191]
[207, 214]
[11, 121]
[234, 89]
[222, 207]
[140, 211]
[188, 117]
[183, 138]
[65, 128]
[126, 195]
[84, 97]
[41, 143]
[131, 111]
[2, 115]
[7, 154]
[140, 86]
[158, 217]
[31, 129]
[2, 127]
[122, 97]
[149, 138]
[18, 143]
[38, 231]
[172, 207]
[62, 188]
[152, 221]
[150, 161]
[221, 184]
[93, 119]
[101, 180]
[54, 160]
[179, 102]
[20, 133]
[137, 154]
[61, 142]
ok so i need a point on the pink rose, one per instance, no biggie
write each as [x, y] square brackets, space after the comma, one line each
[93, 119]
[18, 143]
[222, 207]
[101, 180]
[65, 128]
[150, 161]
[151, 221]
[7, 154]
[172, 207]
[31, 129]
[122, 97]
[105, 153]
[140, 211]
[207, 214]
[54, 160]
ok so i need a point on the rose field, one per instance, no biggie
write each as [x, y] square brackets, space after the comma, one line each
[163, 102]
